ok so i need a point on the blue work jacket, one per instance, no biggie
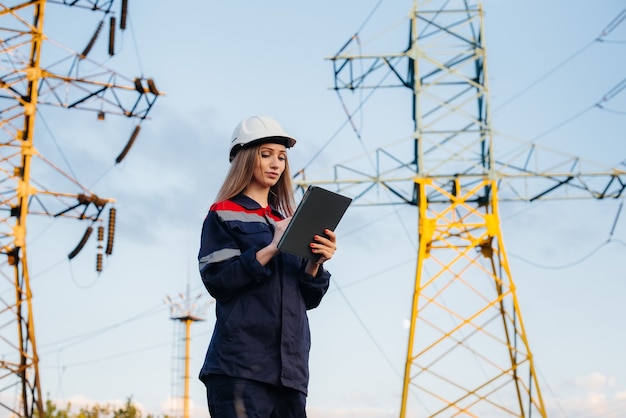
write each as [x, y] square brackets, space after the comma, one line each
[262, 329]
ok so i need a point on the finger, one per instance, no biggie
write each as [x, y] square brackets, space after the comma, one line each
[320, 239]
[324, 250]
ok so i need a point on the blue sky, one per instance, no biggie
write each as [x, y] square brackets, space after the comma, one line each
[105, 337]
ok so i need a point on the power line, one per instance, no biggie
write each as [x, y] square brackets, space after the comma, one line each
[620, 17]
[80, 338]
[613, 92]
[56, 143]
[524, 90]
[585, 257]
[369, 334]
[349, 115]
[114, 356]
[562, 266]
[563, 123]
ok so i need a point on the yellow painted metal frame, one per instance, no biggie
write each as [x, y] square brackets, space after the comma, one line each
[446, 350]
[28, 367]
[25, 87]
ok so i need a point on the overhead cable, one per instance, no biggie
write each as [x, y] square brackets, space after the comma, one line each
[349, 115]
[610, 95]
[77, 339]
[600, 38]
[607, 97]
[367, 331]
[612, 25]
[609, 240]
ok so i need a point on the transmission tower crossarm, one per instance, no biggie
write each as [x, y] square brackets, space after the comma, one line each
[514, 187]
[93, 5]
[344, 64]
[107, 96]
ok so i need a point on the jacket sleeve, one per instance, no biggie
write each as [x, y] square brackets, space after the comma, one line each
[226, 270]
[312, 288]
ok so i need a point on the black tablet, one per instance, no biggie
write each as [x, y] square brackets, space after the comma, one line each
[319, 209]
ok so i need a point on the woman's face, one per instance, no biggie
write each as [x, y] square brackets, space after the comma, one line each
[270, 165]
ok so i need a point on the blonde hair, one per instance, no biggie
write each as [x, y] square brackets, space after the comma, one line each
[241, 172]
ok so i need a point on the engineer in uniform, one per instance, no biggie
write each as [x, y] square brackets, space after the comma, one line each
[257, 363]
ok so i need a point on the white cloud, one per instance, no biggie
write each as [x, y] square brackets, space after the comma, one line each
[174, 406]
[592, 395]
[594, 381]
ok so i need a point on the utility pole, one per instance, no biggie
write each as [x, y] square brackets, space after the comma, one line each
[186, 311]
[27, 83]
[468, 353]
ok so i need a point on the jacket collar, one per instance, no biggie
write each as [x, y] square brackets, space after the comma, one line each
[250, 204]
[246, 202]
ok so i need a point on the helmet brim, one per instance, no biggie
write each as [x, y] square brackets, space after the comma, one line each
[287, 141]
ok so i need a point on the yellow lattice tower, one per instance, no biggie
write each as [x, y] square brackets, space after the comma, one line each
[467, 344]
[34, 73]
[468, 353]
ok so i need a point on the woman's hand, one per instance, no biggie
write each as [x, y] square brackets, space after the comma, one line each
[279, 230]
[325, 247]
[264, 255]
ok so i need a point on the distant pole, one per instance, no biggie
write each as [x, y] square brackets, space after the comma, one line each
[186, 311]
[188, 321]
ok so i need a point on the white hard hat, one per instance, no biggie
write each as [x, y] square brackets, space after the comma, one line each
[258, 129]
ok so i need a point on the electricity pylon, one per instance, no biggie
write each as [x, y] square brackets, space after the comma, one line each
[33, 72]
[468, 353]
[185, 312]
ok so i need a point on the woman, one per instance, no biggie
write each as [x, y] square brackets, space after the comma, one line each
[257, 362]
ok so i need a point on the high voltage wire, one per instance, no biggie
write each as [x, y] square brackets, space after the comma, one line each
[600, 38]
[41, 117]
[618, 88]
[77, 339]
[524, 90]
[571, 264]
[367, 330]
[110, 357]
[347, 121]
[614, 91]
[80, 338]
[609, 240]
[121, 354]
[561, 124]
[349, 116]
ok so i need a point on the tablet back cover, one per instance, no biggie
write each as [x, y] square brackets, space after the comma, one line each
[318, 210]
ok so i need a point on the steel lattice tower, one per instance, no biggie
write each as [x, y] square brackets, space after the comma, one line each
[185, 311]
[468, 354]
[32, 75]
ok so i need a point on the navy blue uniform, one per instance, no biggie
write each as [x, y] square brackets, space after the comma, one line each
[262, 329]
